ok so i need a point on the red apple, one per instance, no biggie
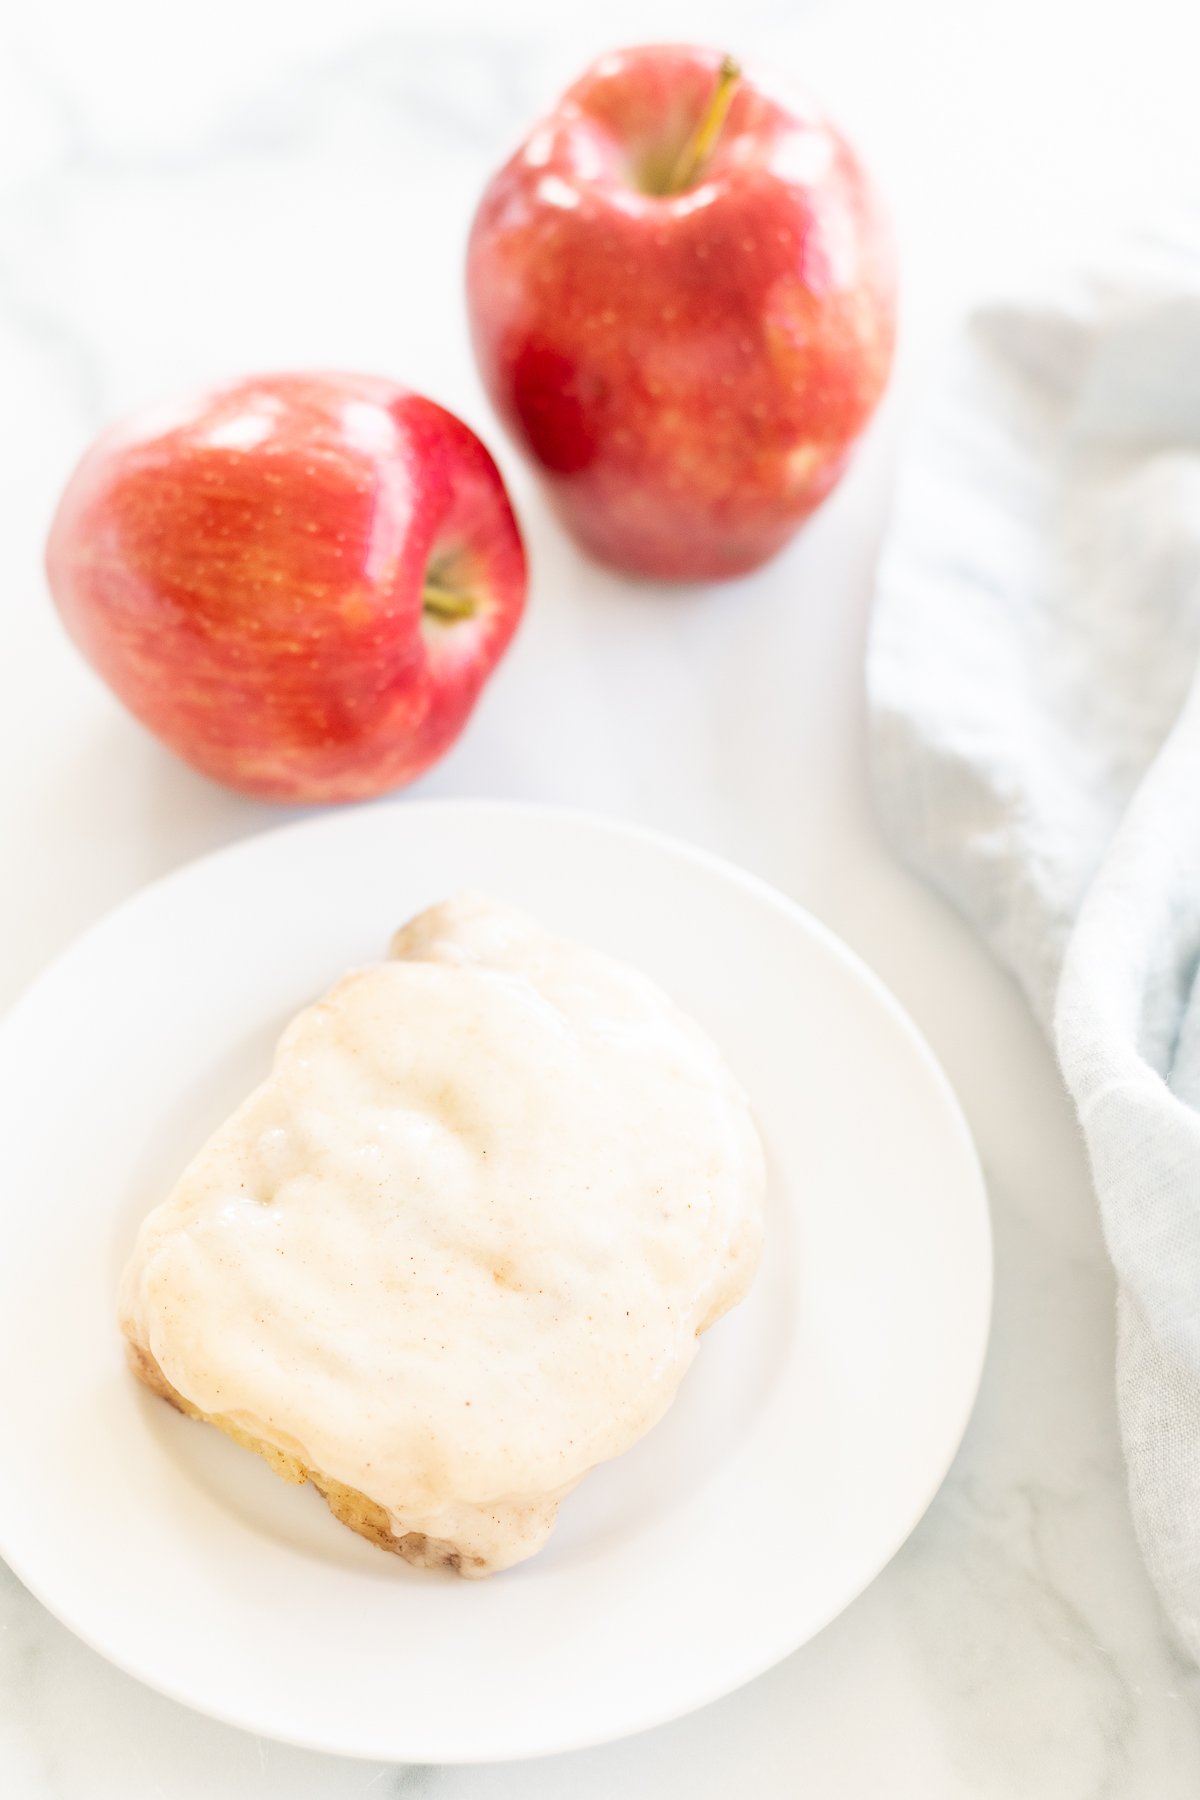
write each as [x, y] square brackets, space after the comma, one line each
[299, 582]
[682, 299]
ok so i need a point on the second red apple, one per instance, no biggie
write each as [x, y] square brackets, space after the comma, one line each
[682, 300]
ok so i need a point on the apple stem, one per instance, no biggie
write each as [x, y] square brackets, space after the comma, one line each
[447, 604]
[690, 162]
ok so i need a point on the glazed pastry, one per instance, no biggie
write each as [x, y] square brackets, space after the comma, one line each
[459, 1247]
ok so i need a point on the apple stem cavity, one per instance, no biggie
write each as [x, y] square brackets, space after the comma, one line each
[689, 165]
[447, 605]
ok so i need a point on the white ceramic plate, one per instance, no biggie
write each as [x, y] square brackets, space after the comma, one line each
[809, 1437]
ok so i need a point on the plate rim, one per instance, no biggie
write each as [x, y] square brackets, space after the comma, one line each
[764, 891]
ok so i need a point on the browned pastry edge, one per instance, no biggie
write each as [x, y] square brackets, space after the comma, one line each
[352, 1507]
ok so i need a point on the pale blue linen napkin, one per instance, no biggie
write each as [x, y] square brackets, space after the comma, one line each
[1035, 741]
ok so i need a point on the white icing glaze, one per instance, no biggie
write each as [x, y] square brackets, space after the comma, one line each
[458, 1247]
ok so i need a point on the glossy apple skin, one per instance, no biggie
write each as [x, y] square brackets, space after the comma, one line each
[246, 572]
[689, 371]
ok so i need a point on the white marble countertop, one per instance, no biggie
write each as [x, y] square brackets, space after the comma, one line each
[186, 192]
